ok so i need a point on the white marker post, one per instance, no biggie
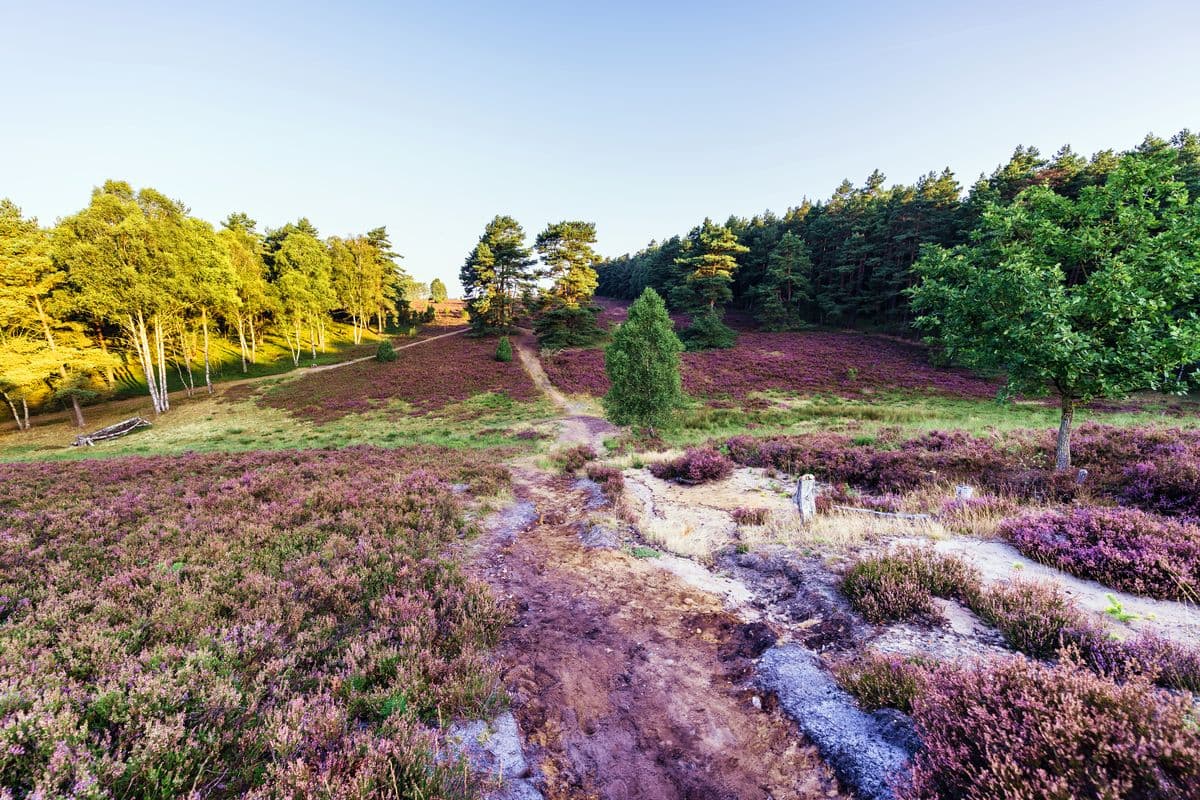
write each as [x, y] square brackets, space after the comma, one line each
[806, 497]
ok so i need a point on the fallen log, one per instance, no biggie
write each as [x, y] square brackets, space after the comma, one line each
[111, 432]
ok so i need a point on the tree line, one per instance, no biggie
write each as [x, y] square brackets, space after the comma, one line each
[503, 281]
[848, 261]
[135, 281]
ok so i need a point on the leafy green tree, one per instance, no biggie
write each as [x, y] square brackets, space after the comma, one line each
[496, 275]
[785, 286]
[707, 264]
[437, 291]
[303, 285]
[566, 316]
[642, 363]
[1091, 297]
[243, 249]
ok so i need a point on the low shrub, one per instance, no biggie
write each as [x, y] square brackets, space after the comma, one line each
[1039, 620]
[696, 465]
[573, 459]
[883, 680]
[1035, 617]
[1123, 548]
[1170, 485]
[611, 480]
[901, 585]
[385, 353]
[504, 350]
[1019, 729]
[751, 516]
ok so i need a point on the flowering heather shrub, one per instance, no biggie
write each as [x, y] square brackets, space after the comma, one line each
[882, 680]
[889, 464]
[1123, 548]
[812, 362]
[276, 624]
[611, 480]
[1037, 619]
[428, 376]
[1168, 486]
[901, 584]
[572, 459]
[1015, 728]
[750, 516]
[696, 465]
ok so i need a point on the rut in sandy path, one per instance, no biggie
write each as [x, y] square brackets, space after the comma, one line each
[626, 681]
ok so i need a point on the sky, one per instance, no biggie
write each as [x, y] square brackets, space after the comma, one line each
[643, 117]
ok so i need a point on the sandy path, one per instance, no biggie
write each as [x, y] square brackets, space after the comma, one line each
[627, 680]
[341, 364]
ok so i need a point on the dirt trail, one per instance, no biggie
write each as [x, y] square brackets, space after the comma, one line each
[626, 681]
[340, 364]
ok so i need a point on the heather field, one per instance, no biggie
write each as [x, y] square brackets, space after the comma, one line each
[851, 365]
[456, 369]
[282, 624]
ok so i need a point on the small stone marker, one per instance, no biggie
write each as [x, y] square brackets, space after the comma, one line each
[1081, 476]
[806, 497]
[964, 492]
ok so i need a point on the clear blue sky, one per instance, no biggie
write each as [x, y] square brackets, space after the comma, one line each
[644, 117]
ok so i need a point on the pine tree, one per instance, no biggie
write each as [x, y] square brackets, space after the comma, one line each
[496, 275]
[707, 265]
[642, 363]
[785, 286]
[567, 317]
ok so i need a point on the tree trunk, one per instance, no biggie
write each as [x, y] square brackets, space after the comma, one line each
[77, 411]
[161, 340]
[241, 329]
[13, 408]
[110, 377]
[185, 351]
[1062, 456]
[141, 343]
[253, 342]
[207, 367]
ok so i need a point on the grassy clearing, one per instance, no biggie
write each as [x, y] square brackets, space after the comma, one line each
[790, 415]
[204, 424]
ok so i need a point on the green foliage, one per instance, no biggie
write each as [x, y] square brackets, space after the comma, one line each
[708, 332]
[496, 275]
[566, 251]
[785, 287]
[642, 363]
[504, 350]
[437, 291]
[562, 326]
[1088, 297]
[385, 353]
[707, 265]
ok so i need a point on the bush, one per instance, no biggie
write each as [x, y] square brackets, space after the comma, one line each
[708, 332]
[504, 350]
[560, 327]
[1019, 729]
[901, 585]
[751, 516]
[642, 363]
[879, 680]
[1034, 617]
[573, 458]
[611, 480]
[696, 465]
[385, 353]
[1167, 486]
[1127, 549]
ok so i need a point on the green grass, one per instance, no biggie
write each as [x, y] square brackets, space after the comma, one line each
[915, 413]
[206, 424]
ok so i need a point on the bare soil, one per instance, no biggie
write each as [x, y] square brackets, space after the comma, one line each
[626, 681]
